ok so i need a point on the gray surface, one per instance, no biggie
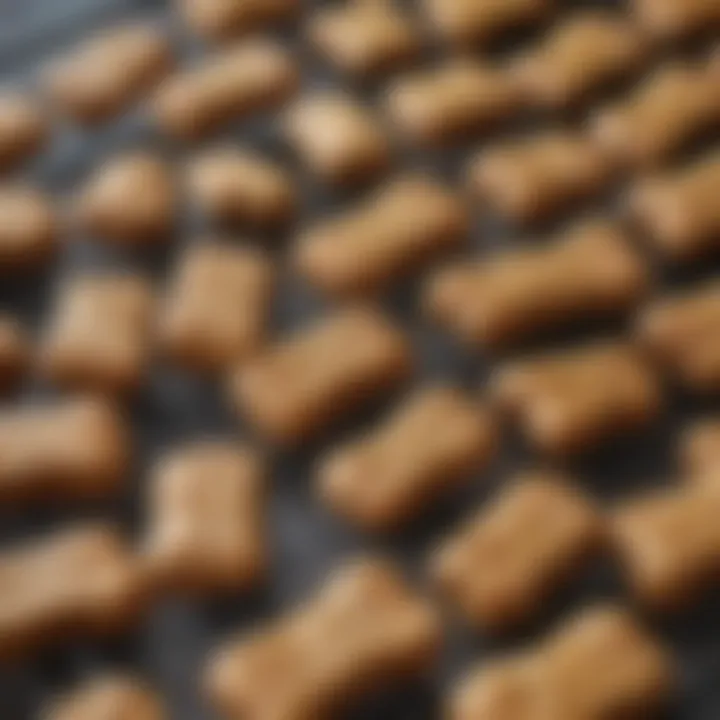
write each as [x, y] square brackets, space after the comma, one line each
[306, 541]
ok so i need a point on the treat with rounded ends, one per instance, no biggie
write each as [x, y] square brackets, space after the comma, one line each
[676, 19]
[29, 229]
[669, 544]
[673, 107]
[573, 400]
[15, 352]
[590, 271]
[98, 338]
[540, 176]
[110, 72]
[80, 580]
[295, 389]
[699, 450]
[337, 138]
[679, 211]
[224, 19]
[108, 697]
[599, 664]
[130, 200]
[457, 100]
[216, 309]
[502, 566]
[364, 630]
[586, 53]
[238, 187]
[253, 76]
[405, 223]
[364, 38]
[480, 22]
[23, 129]
[73, 449]
[433, 442]
[206, 528]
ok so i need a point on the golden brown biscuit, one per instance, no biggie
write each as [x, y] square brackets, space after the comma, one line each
[23, 129]
[676, 19]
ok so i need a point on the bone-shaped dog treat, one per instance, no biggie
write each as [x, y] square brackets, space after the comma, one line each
[590, 271]
[15, 352]
[23, 129]
[699, 450]
[676, 19]
[429, 445]
[295, 389]
[406, 222]
[574, 400]
[505, 562]
[363, 630]
[253, 76]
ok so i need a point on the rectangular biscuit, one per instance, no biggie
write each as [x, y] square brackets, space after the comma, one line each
[676, 19]
[23, 129]
[434, 441]
[699, 450]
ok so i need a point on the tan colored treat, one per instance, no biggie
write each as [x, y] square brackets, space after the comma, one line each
[473, 22]
[700, 450]
[69, 450]
[250, 77]
[15, 352]
[590, 271]
[673, 107]
[597, 665]
[217, 307]
[669, 544]
[502, 566]
[129, 200]
[99, 335]
[239, 187]
[78, 580]
[206, 527]
[337, 138]
[109, 697]
[573, 400]
[223, 19]
[23, 129]
[401, 226]
[540, 176]
[108, 74]
[296, 389]
[458, 100]
[429, 445]
[679, 210]
[29, 229]
[677, 19]
[586, 53]
[364, 630]
[364, 38]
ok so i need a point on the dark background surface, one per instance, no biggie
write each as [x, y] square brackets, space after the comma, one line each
[306, 540]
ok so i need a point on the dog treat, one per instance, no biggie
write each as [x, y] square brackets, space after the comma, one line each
[29, 229]
[669, 544]
[130, 200]
[458, 100]
[14, 353]
[429, 445]
[206, 519]
[72, 449]
[98, 338]
[402, 225]
[700, 449]
[337, 138]
[673, 107]
[364, 630]
[571, 401]
[364, 38]
[296, 389]
[590, 271]
[599, 664]
[109, 73]
[677, 19]
[679, 211]
[586, 53]
[216, 310]
[238, 187]
[81, 579]
[109, 697]
[224, 19]
[540, 176]
[23, 129]
[253, 76]
[500, 568]
[475, 22]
